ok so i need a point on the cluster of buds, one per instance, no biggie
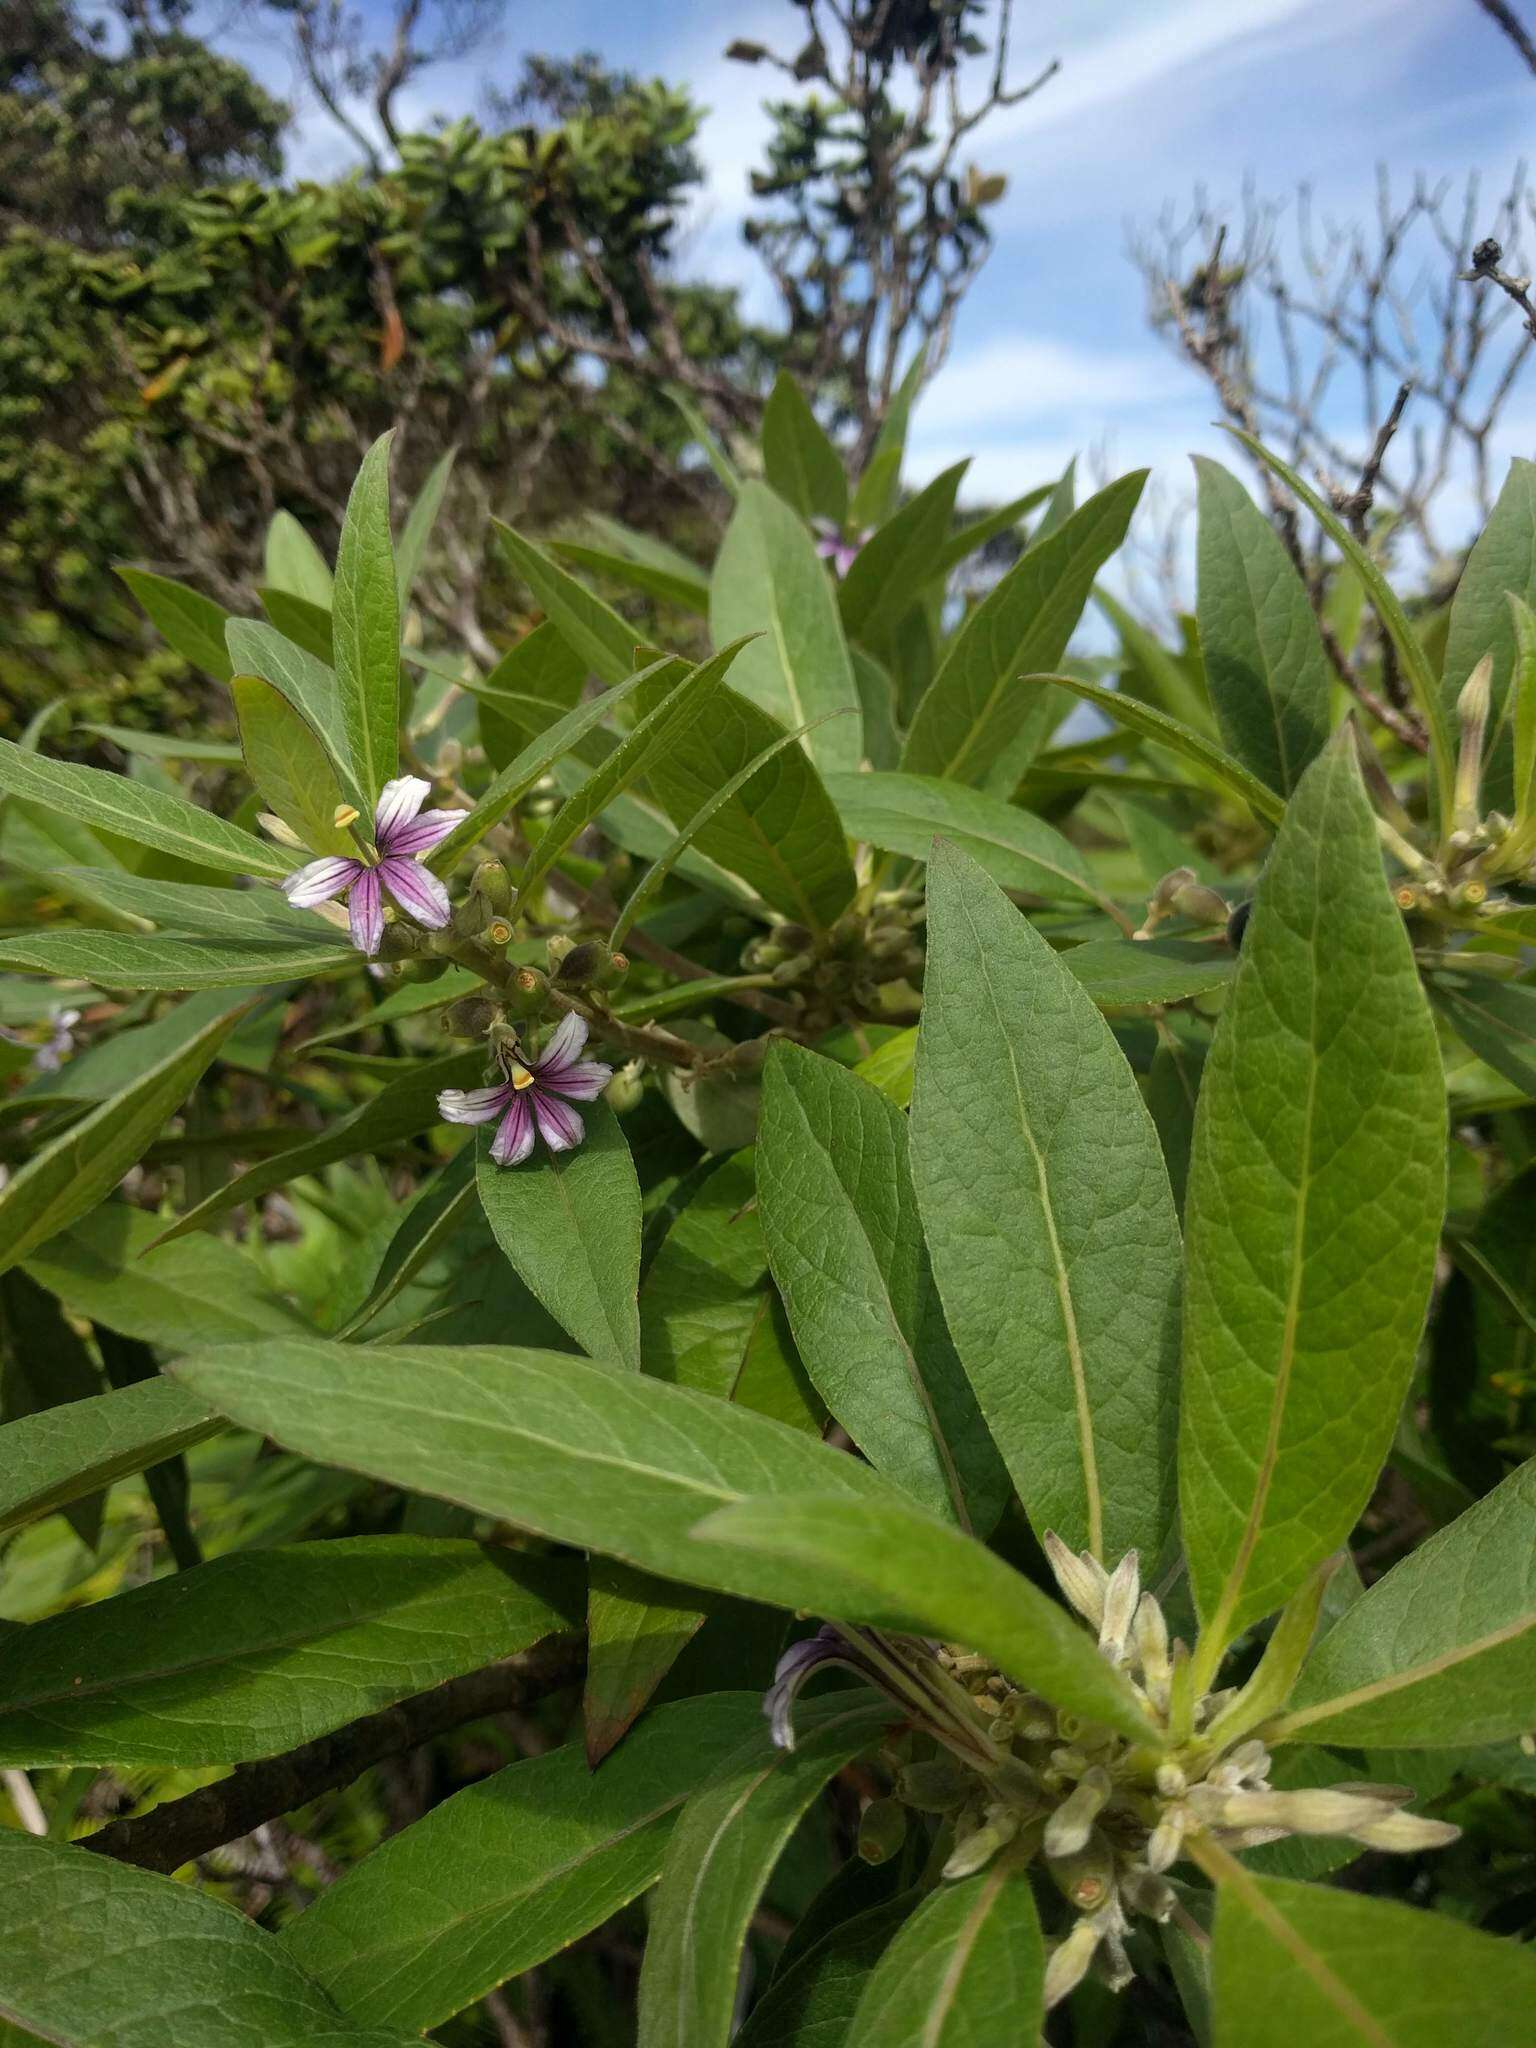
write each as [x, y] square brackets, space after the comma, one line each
[868, 963]
[1106, 1818]
[1181, 893]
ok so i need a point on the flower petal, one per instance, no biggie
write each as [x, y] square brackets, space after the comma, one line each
[399, 801]
[473, 1105]
[365, 909]
[565, 1044]
[417, 891]
[420, 835]
[582, 1081]
[514, 1141]
[320, 881]
[559, 1126]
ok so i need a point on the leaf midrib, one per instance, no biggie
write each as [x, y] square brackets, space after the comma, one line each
[1398, 1681]
[960, 1956]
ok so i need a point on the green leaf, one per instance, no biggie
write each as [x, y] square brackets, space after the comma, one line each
[45, 1366]
[187, 621]
[1123, 974]
[130, 960]
[651, 739]
[1264, 662]
[967, 1968]
[878, 708]
[79, 1168]
[813, 1997]
[799, 461]
[605, 641]
[310, 687]
[307, 625]
[134, 810]
[718, 1864]
[899, 559]
[94, 1952]
[511, 1870]
[1410, 650]
[976, 707]
[118, 1058]
[162, 746]
[60, 1455]
[1442, 1651]
[290, 767]
[903, 1561]
[267, 1649]
[1520, 706]
[586, 1454]
[569, 1223]
[879, 485]
[840, 1222]
[397, 1112]
[714, 454]
[419, 523]
[1147, 666]
[430, 1223]
[180, 1295]
[779, 829]
[1316, 1189]
[262, 915]
[529, 767]
[1049, 1220]
[689, 593]
[365, 617]
[1498, 578]
[409, 1001]
[293, 563]
[1301, 1963]
[769, 582]
[1497, 1019]
[637, 1627]
[977, 532]
[900, 813]
[1152, 724]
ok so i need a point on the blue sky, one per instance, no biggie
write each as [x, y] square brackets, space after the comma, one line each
[1052, 353]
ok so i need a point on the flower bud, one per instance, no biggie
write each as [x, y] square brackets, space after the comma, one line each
[559, 946]
[882, 1830]
[624, 1091]
[528, 993]
[1070, 1825]
[1405, 1833]
[578, 965]
[1149, 1641]
[1165, 1844]
[1069, 1963]
[1081, 1578]
[981, 1845]
[493, 885]
[1120, 1598]
[1201, 905]
[936, 1787]
[470, 1017]
[1472, 708]
[1086, 1877]
[793, 969]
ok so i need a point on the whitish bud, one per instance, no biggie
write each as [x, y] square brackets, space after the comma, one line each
[1149, 1641]
[627, 1086]
[1081, 1578]
[1165, 1844]
[1472, 712]
[1315, 1810]
[1404, 1833]
[1165, 893]
[1201, 905]
[1120, 1600]
[1171, 1781]
[283, 833]
[1069, 1962]
[1070, 1825]
[981, 1845]
[1144, 1892]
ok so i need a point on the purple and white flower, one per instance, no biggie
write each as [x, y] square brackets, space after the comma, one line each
[836, 547]
[402, 832]
[536, 1095]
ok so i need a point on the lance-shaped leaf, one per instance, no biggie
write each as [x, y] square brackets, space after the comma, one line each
[652, 739]
[309, 685]
[1442, 1651]
[262, 915]
[127, 960]
[977, 532]
[778, 829]
[1499, 578]
[93, 1951]
[419, 523]
[967, 1968]
[1210, 761]
[262, 1651]
[769, 582]
[73, 1173]
[290, 767]
[815, 1993]
[365, 616]
[291, 561]
[433, 1220]
[1049, 1220]
[900, 813]
[117, 1060]
[510, 1870]
[133, 810]
[569, 1223]
[976, 707]
[585, 1454]
[689, 592]
[58, 1456]
[398, 1111]
[1316, 1188]
[637, 1627]
[840, 1221]
[1301, 1962]
[798, 460]
[306, 625]
[899, 559]
[902, 1560]
[1126, 974]
[1264, 661]
[189, 622]
[1498, 1021]
[594, 630]
[719, 1861]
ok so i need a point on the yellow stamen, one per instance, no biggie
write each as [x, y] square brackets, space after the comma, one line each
[519, 1075]
[345, 815]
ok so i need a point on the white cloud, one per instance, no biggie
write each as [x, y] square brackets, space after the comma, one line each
[1027, 378]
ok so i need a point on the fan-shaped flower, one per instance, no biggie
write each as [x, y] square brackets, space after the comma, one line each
[402, 832]
[536, 1095]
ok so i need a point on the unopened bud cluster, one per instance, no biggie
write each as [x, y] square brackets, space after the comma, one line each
[869, 962]
[1481, 852]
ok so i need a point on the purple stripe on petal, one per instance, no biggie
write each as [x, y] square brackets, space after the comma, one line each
[365, 909]
[320, 881]
[473, 1105]
[514, 1141]
[559, 1125]
[565, 1044]
[422, 894]
[583, 1081]
[399, 801]
[420, 835]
